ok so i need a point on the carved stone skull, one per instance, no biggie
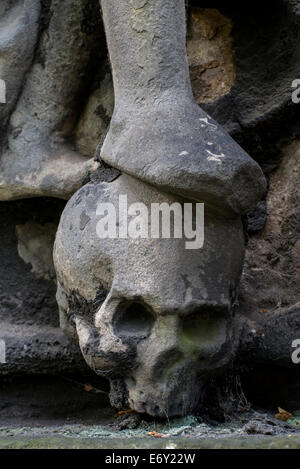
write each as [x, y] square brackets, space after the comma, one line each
[151, 315]
[154, 317]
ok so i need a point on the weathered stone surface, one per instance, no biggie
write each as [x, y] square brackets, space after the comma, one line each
[172, 143]
[272, 271]
[123, 307]
[269, 337]
[97, 113]
[266, 425]
[210, 54]
[37, 155]
[35, 247]
[38, 350]
[19, 26]
[97, 432]
[189, 155]
[28, 310]
[52, 400]
[269, 298]
[62, 442]
[258, 111]
[59, 102]
[157, 343]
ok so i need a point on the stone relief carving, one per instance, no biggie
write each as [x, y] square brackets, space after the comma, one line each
[154, 318]
[163, 326]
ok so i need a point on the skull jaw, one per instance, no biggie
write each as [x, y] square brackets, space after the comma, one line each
[170, 384]
[178, 388]
[171, 405]
[179, 395]
[161, 383]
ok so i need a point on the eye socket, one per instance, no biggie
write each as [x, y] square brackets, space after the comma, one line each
[133, 320]
[204, 328]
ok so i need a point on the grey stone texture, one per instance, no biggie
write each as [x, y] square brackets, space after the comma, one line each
[59, 103]
[37, 157]
[29, 324]
[172, 143]
[19, 26]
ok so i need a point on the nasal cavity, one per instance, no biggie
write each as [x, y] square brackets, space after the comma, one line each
[167, 364]
[133, 320]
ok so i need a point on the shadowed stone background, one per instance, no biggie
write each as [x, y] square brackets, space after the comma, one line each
[243, 60]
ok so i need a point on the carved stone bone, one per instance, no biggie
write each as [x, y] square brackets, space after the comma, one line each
[158, 133]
